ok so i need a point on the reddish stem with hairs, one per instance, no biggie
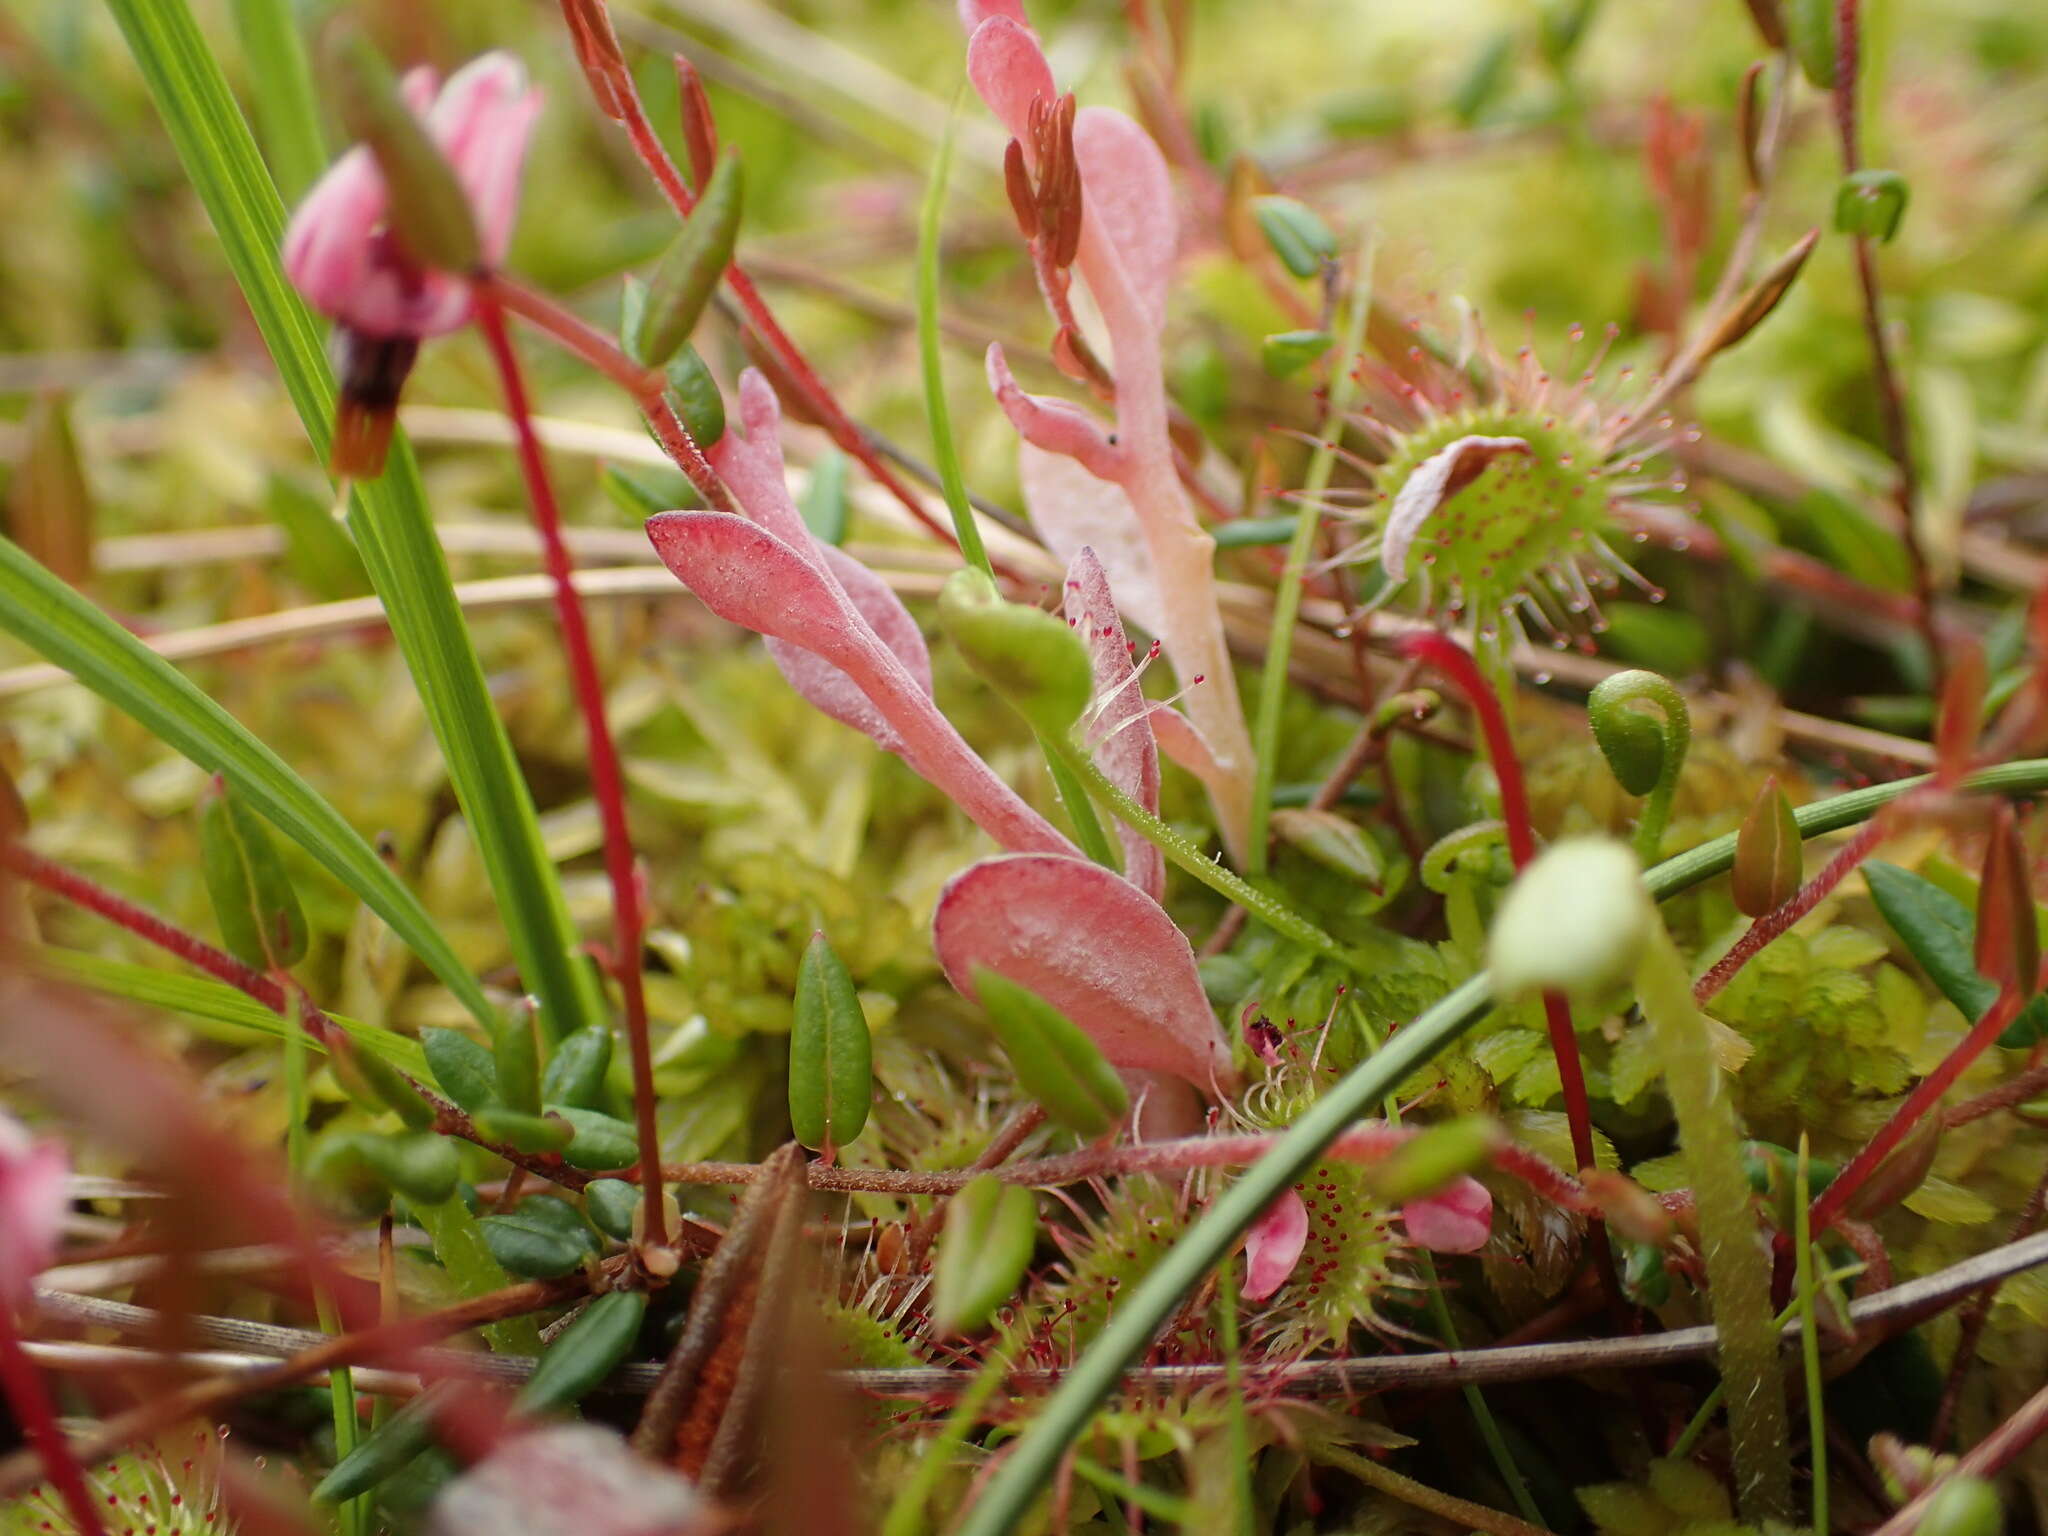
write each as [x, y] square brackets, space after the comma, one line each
[607, 779]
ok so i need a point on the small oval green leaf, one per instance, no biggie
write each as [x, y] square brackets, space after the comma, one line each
[261, 923]
[830, 1075]
[575, 1073]
[1296, 232]
[983, 1251]
[1939, 932]
[463, 1068]
[420, 1165]
[585, 1352]
[600, 1143]
[531, 1248]
[1055, 1062]
[610, 1204]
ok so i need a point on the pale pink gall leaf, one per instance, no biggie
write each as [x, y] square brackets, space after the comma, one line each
[1429, 485]
[1273, 1244]
[1456, 1219]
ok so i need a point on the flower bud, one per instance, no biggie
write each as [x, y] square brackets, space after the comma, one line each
[1039, 666]
[1810, 29]
[1769, 856]
[1575, 920]
[1871, 203]
[2008, 949]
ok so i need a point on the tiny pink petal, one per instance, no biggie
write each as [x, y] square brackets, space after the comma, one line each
[1009, 72]
[1273, 1244]
[34, 1198]
[1457, 1219]
[1119, 733]
[1130, 199]
[1094, 946]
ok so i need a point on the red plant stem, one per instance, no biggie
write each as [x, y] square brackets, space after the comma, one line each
[1991, 1455]
[1834, 1200]
[822, 403]
[1891, 391]
[23, 1385]
[1810, 895]
[607, 780]
[118, 910]
[1366, 1144]
[645, 385]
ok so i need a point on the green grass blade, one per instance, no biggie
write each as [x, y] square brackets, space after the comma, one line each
[1032, 1461]
[389, 518]
[222, 1013]
[281, 81]
[49, 617]
[944, 451]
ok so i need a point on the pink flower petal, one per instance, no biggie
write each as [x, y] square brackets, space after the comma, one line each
[1119, 734]
[34, 1199]
[482, 120]
[1009, 72]
[1457, 1219]
[1095, 947]
[1130, 196]
[1273, 1244]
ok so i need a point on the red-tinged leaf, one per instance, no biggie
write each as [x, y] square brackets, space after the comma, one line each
[1119, 731]
[1273, 1244]
[749, 577]
[2008, 939]
[1458, 1219]
[1957, 725]
[1130, 198]
[1072, 510]
[830, 690]
[1009, 71]
[1095, 947]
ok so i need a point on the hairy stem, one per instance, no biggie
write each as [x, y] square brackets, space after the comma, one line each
[607, 779]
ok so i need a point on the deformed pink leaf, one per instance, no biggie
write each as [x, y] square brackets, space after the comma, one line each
[1273, 1244]
[1073, 510]
[1094, 946]
[1429, 485]
[830, 690]
[1130, 198]
[1456, 1219]
[749, 461]
[1052, 424]
[1119, 734]
[1009, 72]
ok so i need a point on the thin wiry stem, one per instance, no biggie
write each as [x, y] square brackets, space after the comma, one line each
[607, 778]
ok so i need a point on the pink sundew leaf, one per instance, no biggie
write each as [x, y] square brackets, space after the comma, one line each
[1130, 196]
[1009, 72]
[830, 690]
[1094, 946]
[1429, 485]
[1072, 511]
[1054, 425]
[1119, 732]
[1456, 1219]
[1273, 1244]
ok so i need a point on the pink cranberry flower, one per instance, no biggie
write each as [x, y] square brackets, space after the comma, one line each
[339, 250]
[32, 1205]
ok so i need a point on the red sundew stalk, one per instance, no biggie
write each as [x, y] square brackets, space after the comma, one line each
[606, 778]
[1834, 1200]
[23, 1385]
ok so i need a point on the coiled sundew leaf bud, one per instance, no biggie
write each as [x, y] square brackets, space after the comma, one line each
[1505, 489]
[1574, 921]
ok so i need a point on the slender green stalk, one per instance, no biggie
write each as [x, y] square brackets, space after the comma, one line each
[1809, 1340]
[1181, 851]
[356, 1515]
[1287, 597]
[944, 451]
[1738, 1271]
[392, 526]
[281, 81]
[1079, 808]
[1240, 1457]
[1141, 1312]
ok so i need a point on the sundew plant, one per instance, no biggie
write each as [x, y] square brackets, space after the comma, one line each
[903, 768]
